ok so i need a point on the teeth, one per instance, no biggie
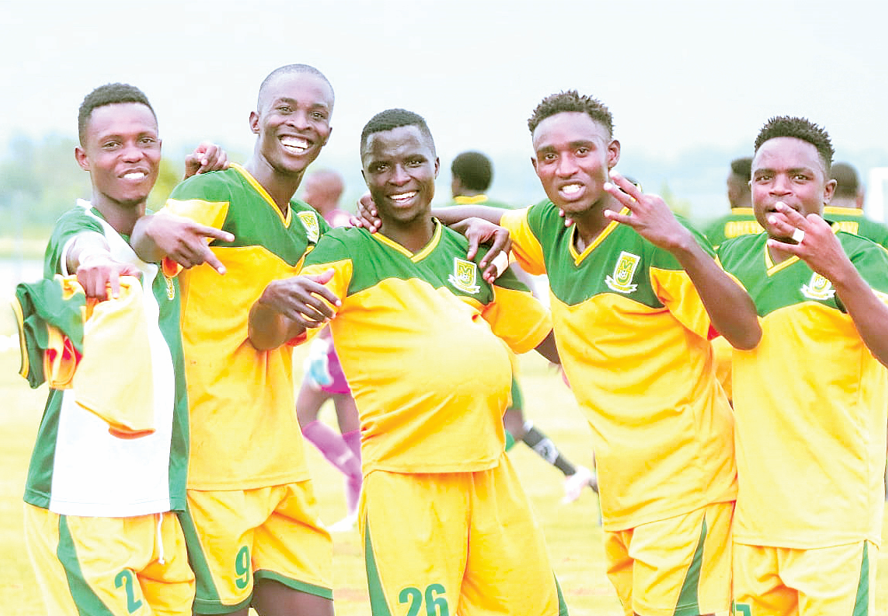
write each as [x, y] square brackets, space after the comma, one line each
[403, 196]
[296, 144]
[571, 189]
[135, 175]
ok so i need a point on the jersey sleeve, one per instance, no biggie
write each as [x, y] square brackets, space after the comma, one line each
[871, 260]
[202, 198]
[677, 292]
[330, 253]
[69, 226]
[515, 315]
[525, 245]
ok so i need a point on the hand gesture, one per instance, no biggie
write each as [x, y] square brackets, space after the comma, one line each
[205, 157]
[302, 299]
[479, 231]
[816, 244]
[185, 241]
[649, 215]
[98, 273]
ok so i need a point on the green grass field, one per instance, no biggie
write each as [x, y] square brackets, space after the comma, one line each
[572, 532]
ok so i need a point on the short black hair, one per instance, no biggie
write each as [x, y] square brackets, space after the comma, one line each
[391, 119]
[286, 70]
[473, 169]
[571, 100]
[847, 180]
[798, 128]
[742, 167]
[108, 94]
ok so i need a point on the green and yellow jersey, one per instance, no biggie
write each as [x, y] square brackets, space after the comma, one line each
[79, 467]
[811, 404]
[741, 221]
[422, 339]
[244, 429]
[852, 220]
[632, 333]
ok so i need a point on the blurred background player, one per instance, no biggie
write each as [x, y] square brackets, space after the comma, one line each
[323, 379]
[846, 207]
[472, 174]
[741, 220]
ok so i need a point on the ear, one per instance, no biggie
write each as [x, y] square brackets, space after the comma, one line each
[81, 158]
[613, 153]
[437, 166]
[327, 138]
[829, 189]
[254, 122]
[533, 162]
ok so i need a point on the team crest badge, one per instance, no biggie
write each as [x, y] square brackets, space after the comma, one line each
[818, 288]
[624, 271]
[464, 276]
[310, 222]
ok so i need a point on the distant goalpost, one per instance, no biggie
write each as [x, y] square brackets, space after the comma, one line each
[875, 205]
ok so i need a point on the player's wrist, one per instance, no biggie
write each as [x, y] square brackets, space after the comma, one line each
[91, 253]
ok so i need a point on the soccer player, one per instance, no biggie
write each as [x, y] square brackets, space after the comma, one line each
[324, 380]
[252, 524]
[810, 401]
[741, 220]
[415, 326]
[635, 296]
[471, 176]
[100, 518]
[846, 206]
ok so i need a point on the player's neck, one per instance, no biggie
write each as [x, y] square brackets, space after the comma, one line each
[280, 186]
[121, 216]
[414, 235]
[778, 256]
[591, 223]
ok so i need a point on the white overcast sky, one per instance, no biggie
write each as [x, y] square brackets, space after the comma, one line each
[676, 74]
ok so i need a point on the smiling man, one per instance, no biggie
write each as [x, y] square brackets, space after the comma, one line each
[810, 401]
[420, 335]
[635, 295]
[252, 525]
[100, 518]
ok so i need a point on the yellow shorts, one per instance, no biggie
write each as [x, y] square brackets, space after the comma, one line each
[417, 530]
[115, 566]
[236, 537]
[784, 581]
[680, 565]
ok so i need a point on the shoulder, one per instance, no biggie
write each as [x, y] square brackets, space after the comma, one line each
[212, 186]
[855, 244]
[731, 249]
[337, 244]
[76, 220]
[540, 216]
